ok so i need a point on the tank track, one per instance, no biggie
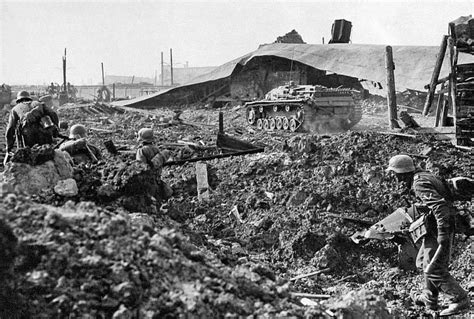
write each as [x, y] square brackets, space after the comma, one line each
[286, 116]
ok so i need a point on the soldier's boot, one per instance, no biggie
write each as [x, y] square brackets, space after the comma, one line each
[425, 299]
[458, 307]
[460, 302]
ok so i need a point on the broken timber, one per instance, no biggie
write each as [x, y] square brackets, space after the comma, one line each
[312, 296]
[350, 219]
[314, 273]
[207, 158]
[202, 181]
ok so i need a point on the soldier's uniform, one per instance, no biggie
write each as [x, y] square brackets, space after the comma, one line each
[153, 156]
[434, 194]
[24, 125]
[79, 148]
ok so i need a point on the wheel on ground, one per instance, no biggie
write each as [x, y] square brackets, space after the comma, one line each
[279, 123]
[286, 123]
[272, 123]
[293, 125]
[259, 124]
[251, 117]
[266, 125]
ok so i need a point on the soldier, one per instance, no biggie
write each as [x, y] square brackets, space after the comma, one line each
[80, 150]
[436, 246]
[31, 122]
[150, 154]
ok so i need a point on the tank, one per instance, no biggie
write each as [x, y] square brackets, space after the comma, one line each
[305, 108]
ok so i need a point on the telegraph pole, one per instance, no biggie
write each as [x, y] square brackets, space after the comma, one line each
[103, 78]
[162, 69]
[64, 71]
[171, 62]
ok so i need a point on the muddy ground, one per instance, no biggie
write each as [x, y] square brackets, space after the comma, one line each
[270, 217]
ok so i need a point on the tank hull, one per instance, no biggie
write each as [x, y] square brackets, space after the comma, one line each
[321, 111]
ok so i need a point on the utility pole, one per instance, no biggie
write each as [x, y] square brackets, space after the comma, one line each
[64, 71]
[103, 78]
[171, 62]
[391, 98]
[162, 75]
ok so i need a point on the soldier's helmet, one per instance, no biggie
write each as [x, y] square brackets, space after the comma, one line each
[45, 98]
[145, 135]
[401, 164]
[77, 131]
[23, 96]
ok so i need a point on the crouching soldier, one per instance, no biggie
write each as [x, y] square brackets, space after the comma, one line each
[79, 148]
[437, 241]
[150, 154]
[30, 123]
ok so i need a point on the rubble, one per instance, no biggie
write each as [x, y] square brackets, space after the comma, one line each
[39, 173]
[115, 250]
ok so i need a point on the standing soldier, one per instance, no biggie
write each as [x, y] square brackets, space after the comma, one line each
[30, 123]
[436, 246]
[150, 154]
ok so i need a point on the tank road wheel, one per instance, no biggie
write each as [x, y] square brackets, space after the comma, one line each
[279, 123]
[272, 123]
[259, 124]
[251, 117]
[275, 108]
[286, 123]
[287, 108]
[293, 125]
[260, 109]
[266, 125]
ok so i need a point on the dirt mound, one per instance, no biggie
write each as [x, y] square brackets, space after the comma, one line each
[103, 264]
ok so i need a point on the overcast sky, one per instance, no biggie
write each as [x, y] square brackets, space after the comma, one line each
[128, 36]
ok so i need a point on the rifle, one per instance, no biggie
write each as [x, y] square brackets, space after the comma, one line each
[89, 151]
[207, 158]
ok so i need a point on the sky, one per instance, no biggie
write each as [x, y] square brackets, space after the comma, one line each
[128, 36]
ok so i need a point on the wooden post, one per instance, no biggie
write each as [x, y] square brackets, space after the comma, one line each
[171, 63]
[452, 79]
[439, 106]
[202, 181]
[444, 111]
[113, 91]
[391, 98]
[221, 122]
[64, 71]
[162, 69]
[103, 78]
[435, 76]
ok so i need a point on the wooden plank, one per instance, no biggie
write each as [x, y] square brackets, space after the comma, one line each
[391, 97]
[435, 76]
[312, 296]
[314, 273]
[202, 181]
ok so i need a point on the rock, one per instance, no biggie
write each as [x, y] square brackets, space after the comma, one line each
[6, 188]
[34, 179]
[297, 198]
[361, 304]
[143, 221]
[66, 187]
[122, 313]
[326, 257]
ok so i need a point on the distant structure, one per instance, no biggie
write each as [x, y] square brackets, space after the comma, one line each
[341, 31]
[180, 76]
[290, 37]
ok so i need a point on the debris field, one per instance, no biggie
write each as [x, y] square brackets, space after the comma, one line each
[272, 239]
